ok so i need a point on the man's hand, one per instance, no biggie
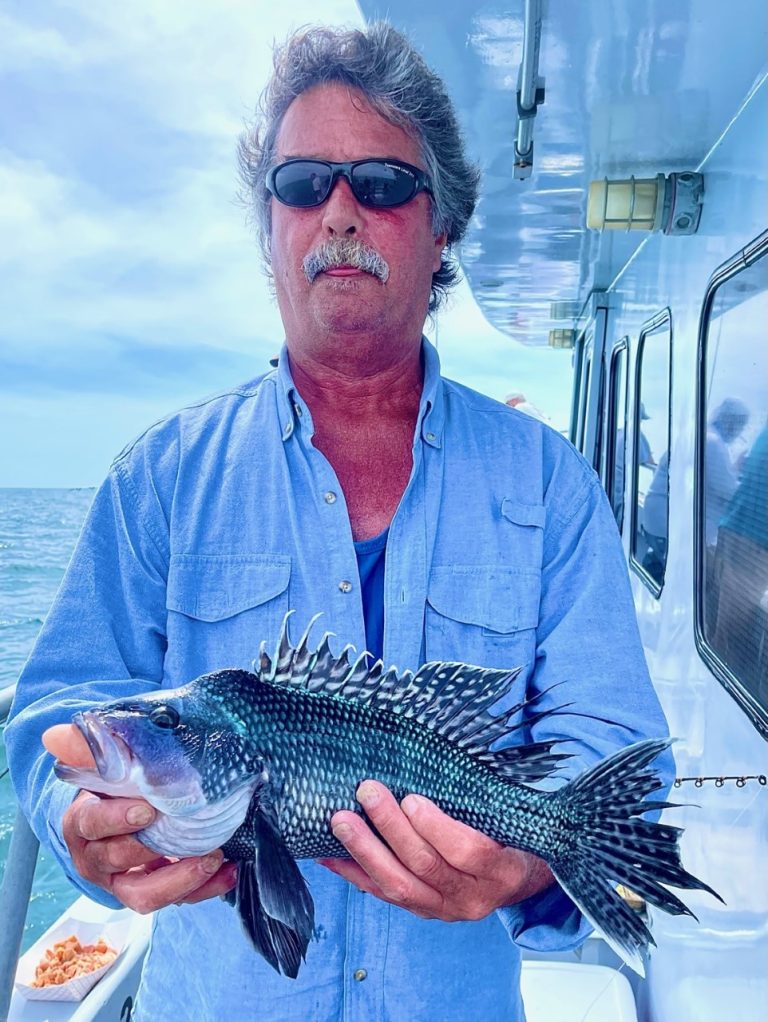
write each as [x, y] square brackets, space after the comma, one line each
[98, 832]
[431, 865]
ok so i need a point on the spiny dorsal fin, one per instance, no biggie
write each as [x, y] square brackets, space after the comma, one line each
[452, 699]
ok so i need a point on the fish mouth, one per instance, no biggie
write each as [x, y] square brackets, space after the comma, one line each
[112, 755]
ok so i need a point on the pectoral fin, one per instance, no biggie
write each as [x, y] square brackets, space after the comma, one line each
[272, 897]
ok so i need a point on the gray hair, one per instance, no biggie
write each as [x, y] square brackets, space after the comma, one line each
[381, 64]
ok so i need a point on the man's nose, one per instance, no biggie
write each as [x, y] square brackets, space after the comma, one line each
[342, 215]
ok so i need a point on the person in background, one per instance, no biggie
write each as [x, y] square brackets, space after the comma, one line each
[654, 521]
[519, 401]
[741, 570]
[721, 478]
[345, 481]
[644, 457]
[726, 425]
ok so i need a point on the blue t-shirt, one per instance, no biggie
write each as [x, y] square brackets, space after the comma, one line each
[371, 554]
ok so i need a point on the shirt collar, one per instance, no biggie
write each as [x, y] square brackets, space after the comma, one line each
[294, 413]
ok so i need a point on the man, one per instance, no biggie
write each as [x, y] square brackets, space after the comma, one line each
[519, 401]
[741, 571]
[426, 522]
[727, 424]
[644, 457]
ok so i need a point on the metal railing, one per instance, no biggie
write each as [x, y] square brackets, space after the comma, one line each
[17, 886]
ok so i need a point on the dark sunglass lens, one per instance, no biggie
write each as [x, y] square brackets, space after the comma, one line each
[380, 183]
[302, 183]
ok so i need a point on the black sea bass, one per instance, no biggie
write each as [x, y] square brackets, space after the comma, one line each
[258, 763]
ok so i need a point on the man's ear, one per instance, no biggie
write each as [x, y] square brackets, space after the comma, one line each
[440, 242]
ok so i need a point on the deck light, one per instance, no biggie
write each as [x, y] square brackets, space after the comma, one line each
[561, 338]
[671, 204]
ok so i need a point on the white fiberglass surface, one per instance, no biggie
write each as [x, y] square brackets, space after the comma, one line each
[713, 969]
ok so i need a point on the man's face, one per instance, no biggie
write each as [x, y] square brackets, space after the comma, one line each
[335, 123]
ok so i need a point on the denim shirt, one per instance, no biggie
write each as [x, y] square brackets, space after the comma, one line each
[219, 519]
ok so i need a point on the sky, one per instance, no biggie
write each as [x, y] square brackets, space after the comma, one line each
[130, 282]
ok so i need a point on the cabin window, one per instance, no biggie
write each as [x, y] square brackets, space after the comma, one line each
[650, 453]
[616, 431]
[732, 481]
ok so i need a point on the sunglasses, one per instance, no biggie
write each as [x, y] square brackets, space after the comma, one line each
[377, 183]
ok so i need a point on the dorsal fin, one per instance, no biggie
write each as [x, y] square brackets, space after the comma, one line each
[452, 699]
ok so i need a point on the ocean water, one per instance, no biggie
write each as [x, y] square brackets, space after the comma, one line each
[38, 532]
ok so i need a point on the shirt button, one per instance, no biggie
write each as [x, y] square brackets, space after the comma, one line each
[360, 975]
[431, 436]
[345, 586]
[330, 497]
[297, 409]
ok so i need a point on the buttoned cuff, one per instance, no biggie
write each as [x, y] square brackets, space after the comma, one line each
[547, 921]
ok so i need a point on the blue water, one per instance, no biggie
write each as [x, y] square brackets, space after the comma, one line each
[38, 531]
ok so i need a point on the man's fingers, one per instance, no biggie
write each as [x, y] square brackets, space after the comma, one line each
[115, 854]
[461, 846]
[418, 855]
[92, 818]
[222, 882]
[355, 874]
[148, 890]
[396, 882]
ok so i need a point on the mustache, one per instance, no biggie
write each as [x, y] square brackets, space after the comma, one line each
[345, 252]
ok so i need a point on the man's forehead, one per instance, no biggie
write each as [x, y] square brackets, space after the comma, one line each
[336, 121]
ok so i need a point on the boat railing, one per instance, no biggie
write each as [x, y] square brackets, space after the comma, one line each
[17, 886]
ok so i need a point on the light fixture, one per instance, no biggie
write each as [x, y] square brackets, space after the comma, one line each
[561, 338]
[671, 204]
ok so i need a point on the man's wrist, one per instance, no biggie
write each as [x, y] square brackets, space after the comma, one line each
[537, 877]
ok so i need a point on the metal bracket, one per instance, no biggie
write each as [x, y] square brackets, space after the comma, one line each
[685, 203]
[525, 113]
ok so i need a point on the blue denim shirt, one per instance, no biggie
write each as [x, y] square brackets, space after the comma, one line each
[503, 552]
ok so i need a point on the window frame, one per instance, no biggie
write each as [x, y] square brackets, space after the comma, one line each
[612, 426]
[731, 268]
[585, 431]
[649, 327]
[586, 380]
[578, 372]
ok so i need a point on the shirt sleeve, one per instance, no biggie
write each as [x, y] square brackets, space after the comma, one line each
[104, 638]
[588, 645]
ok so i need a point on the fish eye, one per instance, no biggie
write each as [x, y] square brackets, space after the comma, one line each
[165, 717]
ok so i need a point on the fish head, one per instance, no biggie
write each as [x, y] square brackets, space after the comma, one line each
[179, 749]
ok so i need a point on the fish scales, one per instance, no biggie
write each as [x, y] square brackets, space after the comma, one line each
[258, 763]
[322, 747]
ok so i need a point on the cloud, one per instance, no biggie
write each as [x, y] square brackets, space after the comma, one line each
[128, 277]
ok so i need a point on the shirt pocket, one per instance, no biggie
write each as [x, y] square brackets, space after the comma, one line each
[487, 613]
[482, 614]
[220, 609]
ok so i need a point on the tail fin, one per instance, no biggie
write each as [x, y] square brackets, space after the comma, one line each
[611, 845]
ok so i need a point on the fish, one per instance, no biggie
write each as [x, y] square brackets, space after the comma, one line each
[257, 762]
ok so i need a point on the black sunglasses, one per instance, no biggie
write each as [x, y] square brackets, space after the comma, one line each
[378, 183]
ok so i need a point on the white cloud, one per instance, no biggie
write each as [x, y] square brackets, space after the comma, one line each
[27, 47]
[117, 200]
